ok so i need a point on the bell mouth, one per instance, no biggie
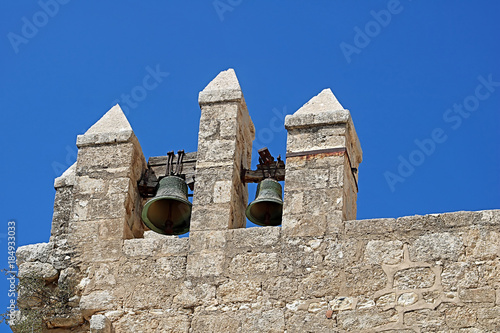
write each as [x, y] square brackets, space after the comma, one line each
[265, 213]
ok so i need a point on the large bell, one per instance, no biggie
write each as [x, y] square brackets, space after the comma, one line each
[267, 208]
[169, 211]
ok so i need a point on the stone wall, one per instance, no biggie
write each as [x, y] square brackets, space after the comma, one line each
[322, 271]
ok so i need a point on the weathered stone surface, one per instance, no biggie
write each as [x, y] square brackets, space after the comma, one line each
[205, 264]
[479, 295]
[225, 87]
[239, 291]
[482, 244]
[100, 324]
[459, 317]
[356, 320]
[111, 128]
[254, 263]
[270, 321]
[363, 228]
[192, 295]
[343, 303]
[96, 301]
[38, 269]
[34, 252]
[414, 278]
[66, 321]
[380, 252]
[67, 178]
[437, 246]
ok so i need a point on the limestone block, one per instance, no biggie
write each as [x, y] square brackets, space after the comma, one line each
[149, 294]
[459, 275]
[307, 179]
[304, 225]
[427, 320]
[357, 320]
[211, 240]
[110, 250]
[111, 206]
[292, 203]
[381, 252]
[104, 275]
[281, 288]
[342, 303]
[300, 322]
[482, 244]
[216, 323]
[239, 291]
[173, 245]
[67, 178]
[489, 318]
[34, 252]
[63, 206]
[316, 138]
[364, 228]
[100, 324]
[478, 295]
[316, 119]
[205, 264]
[460, 219]
[66, 321]
[191, 295]
[437, 246]
[364, 280]
[222, 191]
[264, 238]
[38, 269]
[459, 317]
[254, 264]
[414, 278]
[92, 187]
[109, 157]
[152, 321]
[210, 217]
[270, 321]
[120, 185]
[141, 247]
[298, 256]
[406, 299]
[320, 283]
[342, 253]
[96, 301]
[490, 217]
[216, 152]
[408, 224]
[170, 268]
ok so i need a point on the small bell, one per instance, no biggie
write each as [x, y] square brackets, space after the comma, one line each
[267, 208]
[169, 212]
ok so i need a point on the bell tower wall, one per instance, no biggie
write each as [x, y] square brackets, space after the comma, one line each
[321, 271]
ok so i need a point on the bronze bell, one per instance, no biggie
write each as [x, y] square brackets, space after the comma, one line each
[267, 208]
[169, 212]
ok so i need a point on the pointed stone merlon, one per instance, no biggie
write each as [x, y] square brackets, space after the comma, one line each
[224, 148]
[106, 204]
[323, 155]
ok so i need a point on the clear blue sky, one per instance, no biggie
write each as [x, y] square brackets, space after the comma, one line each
[421, 79]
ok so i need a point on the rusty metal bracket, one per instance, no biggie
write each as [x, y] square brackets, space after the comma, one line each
[162, 166]
[267, 168]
